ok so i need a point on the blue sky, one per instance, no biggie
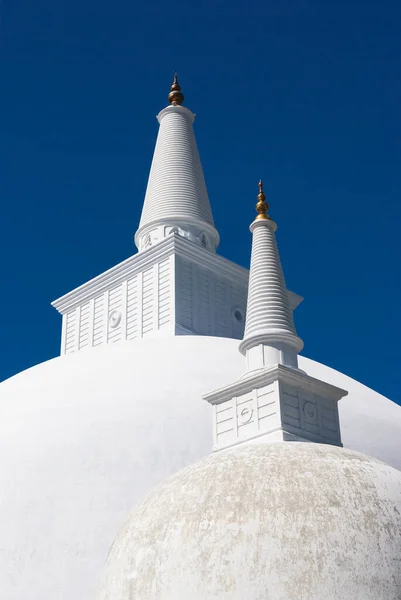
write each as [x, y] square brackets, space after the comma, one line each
[305, 94]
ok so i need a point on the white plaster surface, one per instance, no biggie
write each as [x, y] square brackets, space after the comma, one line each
[280, 399]
[175, 287]
[268, 311]
[270, 336]
[176, 194]
[83, 437]
[285, 521]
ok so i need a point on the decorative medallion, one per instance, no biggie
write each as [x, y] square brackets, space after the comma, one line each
[176, 230]
[238, 314]
[114, 318]
[246, 415]
[310, 412]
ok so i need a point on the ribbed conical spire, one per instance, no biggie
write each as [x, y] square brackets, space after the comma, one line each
[269, 323]
[176, 197]
[274, 401]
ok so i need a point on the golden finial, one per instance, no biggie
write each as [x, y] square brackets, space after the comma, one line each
[175, 96]
[262, 205]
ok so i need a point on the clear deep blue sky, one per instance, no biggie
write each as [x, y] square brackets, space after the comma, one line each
[303, 93]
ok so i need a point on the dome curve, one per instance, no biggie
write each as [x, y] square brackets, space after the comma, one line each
[282, 521]
[86, 436]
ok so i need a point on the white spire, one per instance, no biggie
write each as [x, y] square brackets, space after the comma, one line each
[176, 197]
[275, 401]
[270, 337]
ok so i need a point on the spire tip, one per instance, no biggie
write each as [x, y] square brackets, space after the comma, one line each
[175, 96]
[262, 206]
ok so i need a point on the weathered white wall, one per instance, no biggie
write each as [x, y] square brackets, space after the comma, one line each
[264, 522]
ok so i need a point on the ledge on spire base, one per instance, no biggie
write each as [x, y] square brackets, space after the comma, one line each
[199, 233]
[277, 404]
[267, 349]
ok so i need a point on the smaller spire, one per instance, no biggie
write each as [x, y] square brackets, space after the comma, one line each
[262, 206]
[175, 96]
[270, 336]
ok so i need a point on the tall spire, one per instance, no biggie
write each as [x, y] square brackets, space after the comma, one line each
[176, 198]
[270, 337]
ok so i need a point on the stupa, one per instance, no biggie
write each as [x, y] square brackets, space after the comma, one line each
[87, 435]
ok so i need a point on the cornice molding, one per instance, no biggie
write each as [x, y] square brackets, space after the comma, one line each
[137, 263]
[298, 435]
[192, 252]
[267, 376]
[196, 224]
[271, 336]
[172, 244]
[179, 110]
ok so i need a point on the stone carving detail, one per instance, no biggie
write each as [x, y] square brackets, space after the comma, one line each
[177, 230]
[238, 314]
[246, 415]
[114, 318]
[310, 412]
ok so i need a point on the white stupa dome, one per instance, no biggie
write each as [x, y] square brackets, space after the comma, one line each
[85, 436]
[278, 521]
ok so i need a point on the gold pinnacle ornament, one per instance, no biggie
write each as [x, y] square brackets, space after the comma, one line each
[176, 96]
[262, 205]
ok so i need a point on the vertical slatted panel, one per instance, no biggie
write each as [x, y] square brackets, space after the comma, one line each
[185, 306]
[196, 298]
[98, 320]
[147, 302]
[164, 294]
[114, 314]
[132, 308]
[238, 301]
[221, 308]
[70, 332]
[84, 326]
[202, 301]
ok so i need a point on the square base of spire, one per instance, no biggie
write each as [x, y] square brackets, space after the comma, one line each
[276, 404]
